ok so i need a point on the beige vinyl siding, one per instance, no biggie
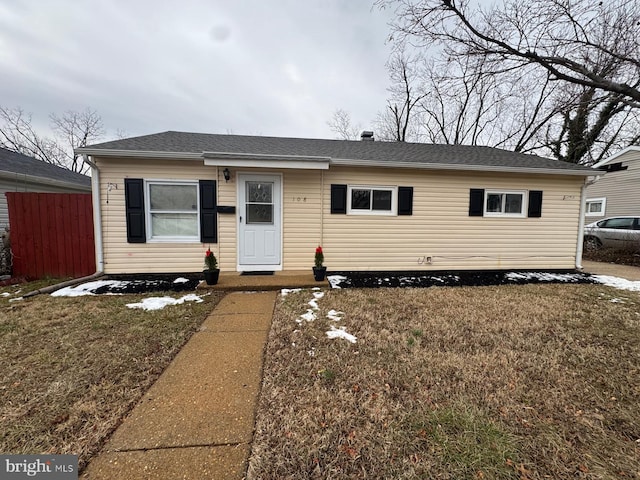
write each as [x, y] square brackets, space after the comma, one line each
[150, 257]
[440, 226]
[442, 229]
[621, 188]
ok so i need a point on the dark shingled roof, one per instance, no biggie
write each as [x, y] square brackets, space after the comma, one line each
[375, 151]
[17, 163]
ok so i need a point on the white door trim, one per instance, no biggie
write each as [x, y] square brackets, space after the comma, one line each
[241, 177]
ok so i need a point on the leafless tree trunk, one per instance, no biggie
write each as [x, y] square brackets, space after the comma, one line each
[400, 121]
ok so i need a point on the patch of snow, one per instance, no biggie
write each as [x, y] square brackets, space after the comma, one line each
[315, 288]
[335, 280]
[286, 291]
[86, 288]
[314, 304]
[16, 299]
[341, 333]
[158, 303]
[617, 282]
[5, 294]
[312, 352]
[617, 300]
[544, 276]
[334, 315]
[309, 316]
[181, 280]
[318, 295]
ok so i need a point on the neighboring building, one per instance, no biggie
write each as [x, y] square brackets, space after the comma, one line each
[265, 203]
[20, 173]
[617, 191]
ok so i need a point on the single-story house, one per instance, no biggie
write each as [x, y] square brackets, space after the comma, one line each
[21, 173]
[616, 193]
[265, 203]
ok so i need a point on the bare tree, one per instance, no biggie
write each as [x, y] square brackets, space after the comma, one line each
[571, 39]
[77, 129]
[341, 125]
[400, 121]
[555, 77]
[72, 130]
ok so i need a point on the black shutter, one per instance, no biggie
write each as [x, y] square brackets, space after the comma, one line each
[208, 212]
[134, 204]
[476, 202]
[338, 198]
[405, 200]
[535, 204]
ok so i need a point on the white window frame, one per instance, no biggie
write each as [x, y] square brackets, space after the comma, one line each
[525, 203]
[388, 213]
[148, 212]
[603, 200]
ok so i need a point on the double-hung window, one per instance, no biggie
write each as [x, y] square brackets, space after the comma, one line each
[372, 200]
[172, 210]
[505, 203]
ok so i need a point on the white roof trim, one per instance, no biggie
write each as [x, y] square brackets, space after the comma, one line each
[608, 160]
[451, 166]
[226, 159]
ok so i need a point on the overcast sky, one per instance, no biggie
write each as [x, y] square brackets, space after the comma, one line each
[276, 67]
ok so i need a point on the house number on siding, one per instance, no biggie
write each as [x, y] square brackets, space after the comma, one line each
[299, 199]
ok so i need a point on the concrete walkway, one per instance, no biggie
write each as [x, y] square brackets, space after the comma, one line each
[601, 268]
[197, 420]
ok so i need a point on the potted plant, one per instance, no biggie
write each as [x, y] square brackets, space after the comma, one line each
[211, 270]
[319, 271]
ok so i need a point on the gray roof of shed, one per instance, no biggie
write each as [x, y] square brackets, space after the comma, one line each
[17, 163]
[355, 150]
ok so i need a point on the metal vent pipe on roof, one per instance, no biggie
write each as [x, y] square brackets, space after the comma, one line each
[367, 135]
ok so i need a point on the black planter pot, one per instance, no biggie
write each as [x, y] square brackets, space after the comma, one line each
[319, 273]
[211, 276]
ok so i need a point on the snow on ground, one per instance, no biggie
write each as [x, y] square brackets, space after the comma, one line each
[17, 299]
[88, 288]
[617, 282]
[181, 280]
[341, 333]
[336, 280]
[545, 276]
[310, 316]
[5, 294]
[158, 303]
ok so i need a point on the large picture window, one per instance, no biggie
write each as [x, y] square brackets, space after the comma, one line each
[172, 210]
[504, 204]
[372, 200]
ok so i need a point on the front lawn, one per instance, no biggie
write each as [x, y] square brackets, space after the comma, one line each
[505, 382]
[71, 368]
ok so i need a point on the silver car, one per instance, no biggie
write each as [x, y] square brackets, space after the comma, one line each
[622, 233]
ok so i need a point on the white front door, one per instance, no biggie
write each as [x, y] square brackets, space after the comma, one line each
[259, 222]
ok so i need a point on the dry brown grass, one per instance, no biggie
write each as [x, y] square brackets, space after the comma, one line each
[522, 382]
[71, 368]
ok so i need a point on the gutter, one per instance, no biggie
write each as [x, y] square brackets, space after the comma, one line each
[97, 216]
[583, 204]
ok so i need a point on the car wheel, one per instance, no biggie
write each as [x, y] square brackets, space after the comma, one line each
[592, 243]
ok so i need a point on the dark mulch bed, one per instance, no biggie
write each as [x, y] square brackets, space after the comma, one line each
[458, 279]
[150, 283]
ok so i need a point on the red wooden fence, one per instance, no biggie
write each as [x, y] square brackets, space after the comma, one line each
[51, 234]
